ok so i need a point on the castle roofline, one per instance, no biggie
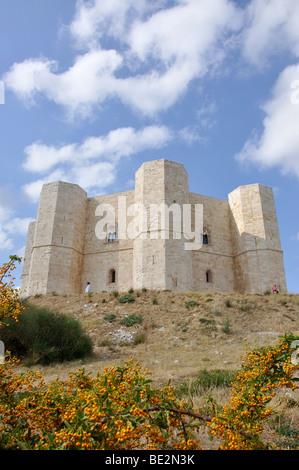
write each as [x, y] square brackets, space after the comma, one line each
[250, 186]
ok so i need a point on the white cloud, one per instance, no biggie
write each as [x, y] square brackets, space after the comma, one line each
[83, 85]
[190, 134]
[115, 145]
[18, 225]
[272, 26]
[279, 142]
[94, 19]
[10, 226]
[160, 53]
[185, 32]
[92, 164]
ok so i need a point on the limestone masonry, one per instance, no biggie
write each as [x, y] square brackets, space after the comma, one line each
[240, 252]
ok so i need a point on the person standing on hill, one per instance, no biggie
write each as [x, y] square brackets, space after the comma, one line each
[87, 288]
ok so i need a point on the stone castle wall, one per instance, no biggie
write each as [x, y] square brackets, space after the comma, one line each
[63, 250]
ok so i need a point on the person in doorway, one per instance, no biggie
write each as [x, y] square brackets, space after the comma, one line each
[87, 288]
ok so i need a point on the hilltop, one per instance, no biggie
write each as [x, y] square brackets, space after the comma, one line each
[174, 335]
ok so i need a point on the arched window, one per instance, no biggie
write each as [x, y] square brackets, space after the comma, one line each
[111, 237]
[112, 276]
[111, 233]
[205, 239]
[209, 276]
[206, 236]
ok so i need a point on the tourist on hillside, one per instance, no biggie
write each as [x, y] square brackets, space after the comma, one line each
[275, 289]
[87, 288]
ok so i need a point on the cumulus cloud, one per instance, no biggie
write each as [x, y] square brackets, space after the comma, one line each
[93, 163]
[272, 27]
[94, 19]
[187, 31]
[85, 84]
[10, 226]
[160, 51]
[278, 143]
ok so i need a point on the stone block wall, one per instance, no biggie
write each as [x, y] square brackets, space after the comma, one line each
[241, 250]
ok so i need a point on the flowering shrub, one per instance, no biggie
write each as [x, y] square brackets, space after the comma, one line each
[9, 304]
[263, 371]
[120, 410]
[116, 410]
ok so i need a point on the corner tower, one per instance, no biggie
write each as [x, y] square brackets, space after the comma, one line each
[258, 258]
[159, 259]
[54, 249]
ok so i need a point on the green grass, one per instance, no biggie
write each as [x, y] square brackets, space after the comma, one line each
[205, 380]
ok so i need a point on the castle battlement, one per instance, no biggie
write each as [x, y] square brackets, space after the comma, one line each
[237, 245]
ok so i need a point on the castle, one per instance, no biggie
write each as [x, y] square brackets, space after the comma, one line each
[238, 248]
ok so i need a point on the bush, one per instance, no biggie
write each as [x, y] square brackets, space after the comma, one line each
[130, 320]
[110, 317]
[120, 409]
[44, 337]
[226, 327]
[191, 303]
[126, 298]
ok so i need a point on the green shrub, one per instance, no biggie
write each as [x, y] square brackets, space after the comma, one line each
[45, 337]
[191, 303]
[126, 298]
[130, 320]
[226, 327]
[110, 317]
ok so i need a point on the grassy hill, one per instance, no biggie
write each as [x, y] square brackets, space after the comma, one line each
[180, 336]
[174, 334]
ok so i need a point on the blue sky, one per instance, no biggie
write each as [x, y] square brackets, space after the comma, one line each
[95, 88]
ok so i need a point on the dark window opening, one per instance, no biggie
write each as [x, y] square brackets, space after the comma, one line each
[208, 276]
[205, 239]
[112, 276]
[112, 237]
